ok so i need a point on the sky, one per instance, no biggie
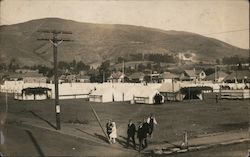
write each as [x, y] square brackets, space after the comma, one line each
[226, 20]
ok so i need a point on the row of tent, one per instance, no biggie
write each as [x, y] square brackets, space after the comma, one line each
[137, 93]
[110, 92]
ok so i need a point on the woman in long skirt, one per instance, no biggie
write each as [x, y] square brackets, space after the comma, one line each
[113, 134]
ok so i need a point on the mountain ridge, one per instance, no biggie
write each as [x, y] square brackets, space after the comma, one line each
[94, 43]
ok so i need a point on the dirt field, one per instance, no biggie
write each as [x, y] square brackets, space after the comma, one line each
[197, 117]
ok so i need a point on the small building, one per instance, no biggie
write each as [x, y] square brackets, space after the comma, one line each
[23, 71]
[154, 78]
[137, 77]
[29, 77]
[83, 78]
[1, 77]
[193, 75]
[168, 77]
[116, 77]
[239, 76]
[71, 78]
[218, 76]
[61, 79]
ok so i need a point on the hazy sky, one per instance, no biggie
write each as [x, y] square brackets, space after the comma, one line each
[198, 16]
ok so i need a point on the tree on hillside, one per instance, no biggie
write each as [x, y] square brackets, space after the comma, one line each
[13, 65]
[210, 71]
[73, 64]
[63, 65]
[149, 66]
[81, 66]
[121, 59]
[3, 67]
[218, 61]
[141, 67]
[104, 71]
[234, 60]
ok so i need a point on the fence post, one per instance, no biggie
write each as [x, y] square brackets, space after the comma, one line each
[185, 140]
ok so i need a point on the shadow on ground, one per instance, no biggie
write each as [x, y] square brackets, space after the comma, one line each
[41, 118]
[34, 141]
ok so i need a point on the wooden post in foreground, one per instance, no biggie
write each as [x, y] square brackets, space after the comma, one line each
[99, 122]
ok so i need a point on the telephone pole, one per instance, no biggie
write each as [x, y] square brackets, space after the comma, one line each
[123, 71]
[55, 41]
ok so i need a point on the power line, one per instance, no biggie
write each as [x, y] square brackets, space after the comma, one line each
[237, 30]
[160, 40]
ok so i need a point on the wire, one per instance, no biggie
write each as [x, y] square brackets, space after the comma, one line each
[239, 30]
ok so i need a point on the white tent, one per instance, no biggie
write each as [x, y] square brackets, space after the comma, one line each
[125, 91]
[169, 87]
[74, 90]
[107, 94]
[144, 94]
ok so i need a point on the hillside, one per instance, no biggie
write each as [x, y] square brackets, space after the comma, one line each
[94, 43]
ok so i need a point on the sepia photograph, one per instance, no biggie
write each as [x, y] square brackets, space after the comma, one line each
[124, 78]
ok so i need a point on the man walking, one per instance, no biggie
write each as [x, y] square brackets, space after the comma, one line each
[142, 134]
[146, 129]
[151, 121]
[131, 133]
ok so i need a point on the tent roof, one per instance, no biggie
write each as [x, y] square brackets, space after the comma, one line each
[102, 91]
[144, 91]
[28, 74]
[168, 75]
[83, 77]
[116, 75]
[240, 74]
[137, 75]
[219, 74]
[190, 73]
[169, 87]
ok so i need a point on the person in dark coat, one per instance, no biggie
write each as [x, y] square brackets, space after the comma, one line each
[146, 129]
[142, 134]
[109, 128]
[131, 133]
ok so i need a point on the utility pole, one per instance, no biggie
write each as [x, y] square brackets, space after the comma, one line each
[173, 94]
[249, 74]
[123, 71]
[55, 41]
[103, 77]
[215, 73]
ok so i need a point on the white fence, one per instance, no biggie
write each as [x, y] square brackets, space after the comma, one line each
[235, 94]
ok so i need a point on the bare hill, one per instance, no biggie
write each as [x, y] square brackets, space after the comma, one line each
[94, 43]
